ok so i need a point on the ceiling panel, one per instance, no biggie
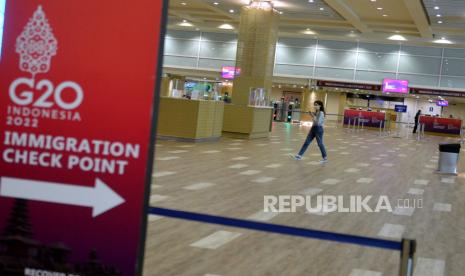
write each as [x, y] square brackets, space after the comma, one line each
[363, 21]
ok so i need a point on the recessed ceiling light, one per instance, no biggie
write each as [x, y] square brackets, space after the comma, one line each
[443, 40]
[216, 3]
[373, 0]
[311, 1]
[379, 8]
[280, 12]
[231, 11]
[397, 38]
[438, 15]
[385, 15]
[183, 3]
[184, 23]
[439, 22]
[226, 26]
[436, 8]
[308, 32]
[322, 9]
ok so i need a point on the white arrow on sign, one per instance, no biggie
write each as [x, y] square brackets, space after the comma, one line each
[100, 198]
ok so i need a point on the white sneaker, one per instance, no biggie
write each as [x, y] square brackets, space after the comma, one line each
[296, 157]
[324, 160]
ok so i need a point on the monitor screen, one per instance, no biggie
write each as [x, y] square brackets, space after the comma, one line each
[442, 103]
[395, 86]
[400, 108]
[230, 72]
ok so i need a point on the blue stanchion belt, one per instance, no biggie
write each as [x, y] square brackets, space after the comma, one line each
[279, 229]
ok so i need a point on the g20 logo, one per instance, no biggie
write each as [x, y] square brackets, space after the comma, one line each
[51, 97]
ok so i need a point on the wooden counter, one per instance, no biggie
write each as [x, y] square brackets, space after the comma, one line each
[191, 120]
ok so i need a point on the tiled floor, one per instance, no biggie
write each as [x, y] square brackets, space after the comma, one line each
[208, 178]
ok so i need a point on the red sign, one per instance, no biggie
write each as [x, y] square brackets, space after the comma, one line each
[76, 113]
[348, 85]
[423, 91]
[365, 118]
[441, 125]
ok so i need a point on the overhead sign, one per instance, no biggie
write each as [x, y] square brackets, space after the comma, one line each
[442, 103]
[395, 86]
[433, 92]
[348, 85]
[78, 81]
[230, 72]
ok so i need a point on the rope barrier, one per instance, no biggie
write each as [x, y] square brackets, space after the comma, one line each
[406, 247]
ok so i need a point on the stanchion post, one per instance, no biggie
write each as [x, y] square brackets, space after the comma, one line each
[461, 135]
[384, 127]
[380, 128]
[407, 257]
[408, 130]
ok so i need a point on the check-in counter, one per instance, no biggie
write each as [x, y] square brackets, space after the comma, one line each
[190, 120]
[441, 126]
[363, 118]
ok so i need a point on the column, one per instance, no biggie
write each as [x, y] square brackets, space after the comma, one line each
[258, 34]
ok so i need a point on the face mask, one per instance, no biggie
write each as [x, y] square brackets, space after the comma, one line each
[317, 107]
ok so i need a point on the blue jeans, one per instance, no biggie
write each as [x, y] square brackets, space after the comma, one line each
[315, 132]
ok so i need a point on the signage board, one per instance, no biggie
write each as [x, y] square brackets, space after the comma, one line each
[442, 103]
[348, 85]
[400, 108]
[395, 86]
[77, 112]
[432, 92]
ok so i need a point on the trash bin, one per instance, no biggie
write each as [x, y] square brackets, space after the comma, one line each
[448, 158]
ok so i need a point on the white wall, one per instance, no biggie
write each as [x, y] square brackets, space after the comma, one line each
[332, 103]
[277, 93]
[413, 105]
[456, 110]
[341, 60]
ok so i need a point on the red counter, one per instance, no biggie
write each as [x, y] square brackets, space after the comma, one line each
[368, 118]
[446, 126]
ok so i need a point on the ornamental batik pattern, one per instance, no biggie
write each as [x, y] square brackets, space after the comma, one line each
[36, 45]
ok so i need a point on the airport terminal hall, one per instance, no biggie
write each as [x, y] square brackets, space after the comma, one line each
[232, 138]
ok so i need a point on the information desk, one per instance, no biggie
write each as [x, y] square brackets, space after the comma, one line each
[441, 126]
[365, 118]
[190, 120]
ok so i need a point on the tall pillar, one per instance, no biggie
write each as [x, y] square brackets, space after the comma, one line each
[165, 86]
[307, 100]
[258, 34]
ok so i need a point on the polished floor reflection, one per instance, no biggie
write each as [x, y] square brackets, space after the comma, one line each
[230, 178]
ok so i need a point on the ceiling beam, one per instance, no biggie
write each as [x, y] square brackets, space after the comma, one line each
[419, 16]
[346, 12]
[185, 16]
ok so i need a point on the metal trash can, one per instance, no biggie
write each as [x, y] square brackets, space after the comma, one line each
[448, 158]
